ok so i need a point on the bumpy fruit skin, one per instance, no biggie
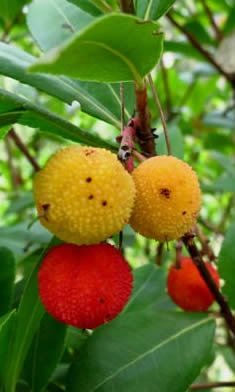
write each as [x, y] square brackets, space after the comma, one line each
[168, 198]
[187, 288]
[84, 195]
[84, 286]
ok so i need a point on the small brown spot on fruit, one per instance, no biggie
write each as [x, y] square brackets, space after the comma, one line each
[90, 197]
[165, 192]
[88, 179]
[184, 212]
[104, 203]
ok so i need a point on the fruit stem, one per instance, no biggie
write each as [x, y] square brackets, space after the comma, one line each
[157, 100]
[178, 248]
[188, 240]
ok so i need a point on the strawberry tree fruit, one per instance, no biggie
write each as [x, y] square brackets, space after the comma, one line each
[187, 288]
[84, 286]
[168, 198]
[84, 195]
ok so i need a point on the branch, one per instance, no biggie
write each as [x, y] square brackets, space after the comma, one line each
[230, 78]
[127, 6]
[218, 33]
[146, 138]
[23, 149]
[188, 240]
[219, 384]
[156, 98]
[206, 249]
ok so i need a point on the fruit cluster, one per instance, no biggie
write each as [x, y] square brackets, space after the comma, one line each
[84, 196]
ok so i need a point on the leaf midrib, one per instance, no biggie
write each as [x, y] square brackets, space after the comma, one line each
[118, 54]
[149, 352]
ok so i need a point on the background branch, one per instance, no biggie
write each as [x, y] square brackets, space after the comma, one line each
[12, 134]
[230, 78]
[188, 240]
[219, 384]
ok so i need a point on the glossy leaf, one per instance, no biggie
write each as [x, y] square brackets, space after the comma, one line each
[63, 18]
[7, 323]
[98, 100]
[36, 116]
[152, 9]
[28, 318]
[103, 41]
[227, 264]
[149, 289]
[7, 277]
[139, 348]
[20, 238]
[46, 345]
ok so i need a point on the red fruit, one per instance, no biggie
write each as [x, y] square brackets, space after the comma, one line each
[187, 288]
[84, 286]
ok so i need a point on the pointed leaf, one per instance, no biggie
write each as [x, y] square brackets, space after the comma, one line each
[103, 41]
[28, 318]
[149, 289]
[152, 9]
[7, 323]
[7, 277]
[63, 18]
[46, 344]
[140, 350]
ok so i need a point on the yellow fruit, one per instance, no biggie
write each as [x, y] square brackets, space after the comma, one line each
[84, 195]
[168, 198]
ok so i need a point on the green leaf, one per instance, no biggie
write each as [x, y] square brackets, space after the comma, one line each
[152, 9]
[176, 140]
[49, 344]
[149, 289]
[113, 48]
[227, 264]
[225, 183]
[36, 116]
[28, 318]
[219, 120]
[63, 18]
[10, 9]
[88, 6]
[98, 100]
[7, 323]
[183, 48]
[141, 350]
[7, 277]
[226, 162]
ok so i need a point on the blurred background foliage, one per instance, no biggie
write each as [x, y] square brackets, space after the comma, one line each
[199, 106]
